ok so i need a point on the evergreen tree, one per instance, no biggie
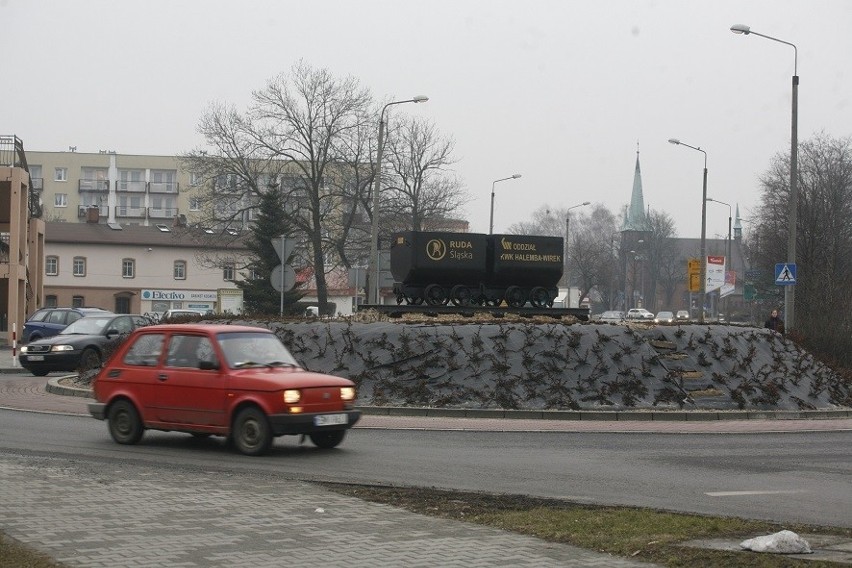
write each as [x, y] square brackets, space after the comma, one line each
[259, 297]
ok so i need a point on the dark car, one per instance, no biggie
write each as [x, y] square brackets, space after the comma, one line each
[47, 322]
[81, 345]
[226, 380]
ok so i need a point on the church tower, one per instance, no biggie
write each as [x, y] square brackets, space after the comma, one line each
[635, 231]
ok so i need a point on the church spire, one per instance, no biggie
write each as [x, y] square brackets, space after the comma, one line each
[738, 226]
[635, 220]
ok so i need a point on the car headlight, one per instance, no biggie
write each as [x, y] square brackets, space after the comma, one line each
[292, 396]
[62, 348]
[347, 393]
[24, 349]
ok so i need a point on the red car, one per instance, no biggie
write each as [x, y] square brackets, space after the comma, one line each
[226, 380]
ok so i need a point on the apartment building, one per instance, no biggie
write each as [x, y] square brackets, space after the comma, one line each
[108, 187]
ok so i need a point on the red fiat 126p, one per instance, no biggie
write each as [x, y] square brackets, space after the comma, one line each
[226, 380]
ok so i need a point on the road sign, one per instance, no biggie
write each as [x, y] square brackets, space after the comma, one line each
[283, 247]
[785, 274]
[693, 266]
[289, 277]
[695, 282]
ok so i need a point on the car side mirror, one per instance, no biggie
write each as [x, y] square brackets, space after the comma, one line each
[208, 365]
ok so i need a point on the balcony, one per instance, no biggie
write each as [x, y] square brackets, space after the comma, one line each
[125, 212]
[164, 187]
[162, 213]
[97, 185]
[124, 186]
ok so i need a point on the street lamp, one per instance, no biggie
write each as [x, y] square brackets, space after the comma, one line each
[730, 262]
[374, 234]
[703, 291]
[567, 236]
[789, 291]
[491, 222]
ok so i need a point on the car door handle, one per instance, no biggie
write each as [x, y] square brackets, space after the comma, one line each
[162, 377]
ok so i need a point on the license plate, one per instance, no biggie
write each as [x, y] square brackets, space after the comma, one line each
[330, 419]
[35, 357]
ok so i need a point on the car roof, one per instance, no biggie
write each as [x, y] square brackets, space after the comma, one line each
[203, 328]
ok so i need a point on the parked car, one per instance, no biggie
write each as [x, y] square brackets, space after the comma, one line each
[664, 317]
[612, 316]
[81, 345]
[47, 322]
[682, 315]
[179, 315]
[226, 380]
[639, 314]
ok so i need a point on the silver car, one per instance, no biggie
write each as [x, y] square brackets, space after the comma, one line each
[612, 316]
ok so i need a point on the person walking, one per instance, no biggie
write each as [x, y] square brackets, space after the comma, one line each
[775, 323]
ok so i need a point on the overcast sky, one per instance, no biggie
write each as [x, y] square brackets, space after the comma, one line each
[558, 91]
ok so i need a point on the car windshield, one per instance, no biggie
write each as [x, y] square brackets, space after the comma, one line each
[664, 315]
[249, 349]
[87, 326]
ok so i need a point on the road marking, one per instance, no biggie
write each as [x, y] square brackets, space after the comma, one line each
[739, 493]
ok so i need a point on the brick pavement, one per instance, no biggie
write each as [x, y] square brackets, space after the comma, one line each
[138, 516]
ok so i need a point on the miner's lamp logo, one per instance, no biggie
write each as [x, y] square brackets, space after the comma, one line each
[436, 249]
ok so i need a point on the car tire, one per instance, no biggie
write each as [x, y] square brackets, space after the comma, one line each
[327, 439]
[251, 433]
[125, 427]
[40, 373]
[90, 359]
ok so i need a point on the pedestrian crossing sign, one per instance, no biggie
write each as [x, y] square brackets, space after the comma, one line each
[785, 274]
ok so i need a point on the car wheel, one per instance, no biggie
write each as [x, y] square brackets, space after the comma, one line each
[40, 373]
[90, 359]
[251, 433]
[328, 439]
[125, 427]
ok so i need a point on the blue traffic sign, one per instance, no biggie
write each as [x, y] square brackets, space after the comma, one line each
[785, 274]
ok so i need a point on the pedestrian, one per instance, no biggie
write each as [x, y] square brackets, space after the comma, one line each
[775, 323]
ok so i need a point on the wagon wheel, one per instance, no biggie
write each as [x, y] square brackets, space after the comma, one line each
[493, 302]
[460, 295]
[516, 296]
[436, 295]
[539, 297]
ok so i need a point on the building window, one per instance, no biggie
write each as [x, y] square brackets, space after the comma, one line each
[128, 268]
[78, 301]
[51, 266]
[60, 174]
[228, 271]
[60, 200]
[195, 178]
[180, 270]
[254, 274]
[50, 302]
[195, 204]
[79, 266]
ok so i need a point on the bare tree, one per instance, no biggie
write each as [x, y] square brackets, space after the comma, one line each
[661, 252]
[306, 134]
[591, 250]
[422, 191]
[823, 243]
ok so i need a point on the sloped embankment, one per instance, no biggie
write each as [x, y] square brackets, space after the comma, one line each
[561, 366]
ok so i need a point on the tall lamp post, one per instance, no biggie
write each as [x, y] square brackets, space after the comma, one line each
[703, 291]
[789, 291]
[567, 236]
[730, 262]
[374, 234]
[491, 222]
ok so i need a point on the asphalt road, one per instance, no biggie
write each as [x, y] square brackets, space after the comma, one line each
[787, 477]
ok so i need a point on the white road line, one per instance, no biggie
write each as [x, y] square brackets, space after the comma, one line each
[739, 493]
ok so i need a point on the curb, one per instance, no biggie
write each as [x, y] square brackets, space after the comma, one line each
[54, 387]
